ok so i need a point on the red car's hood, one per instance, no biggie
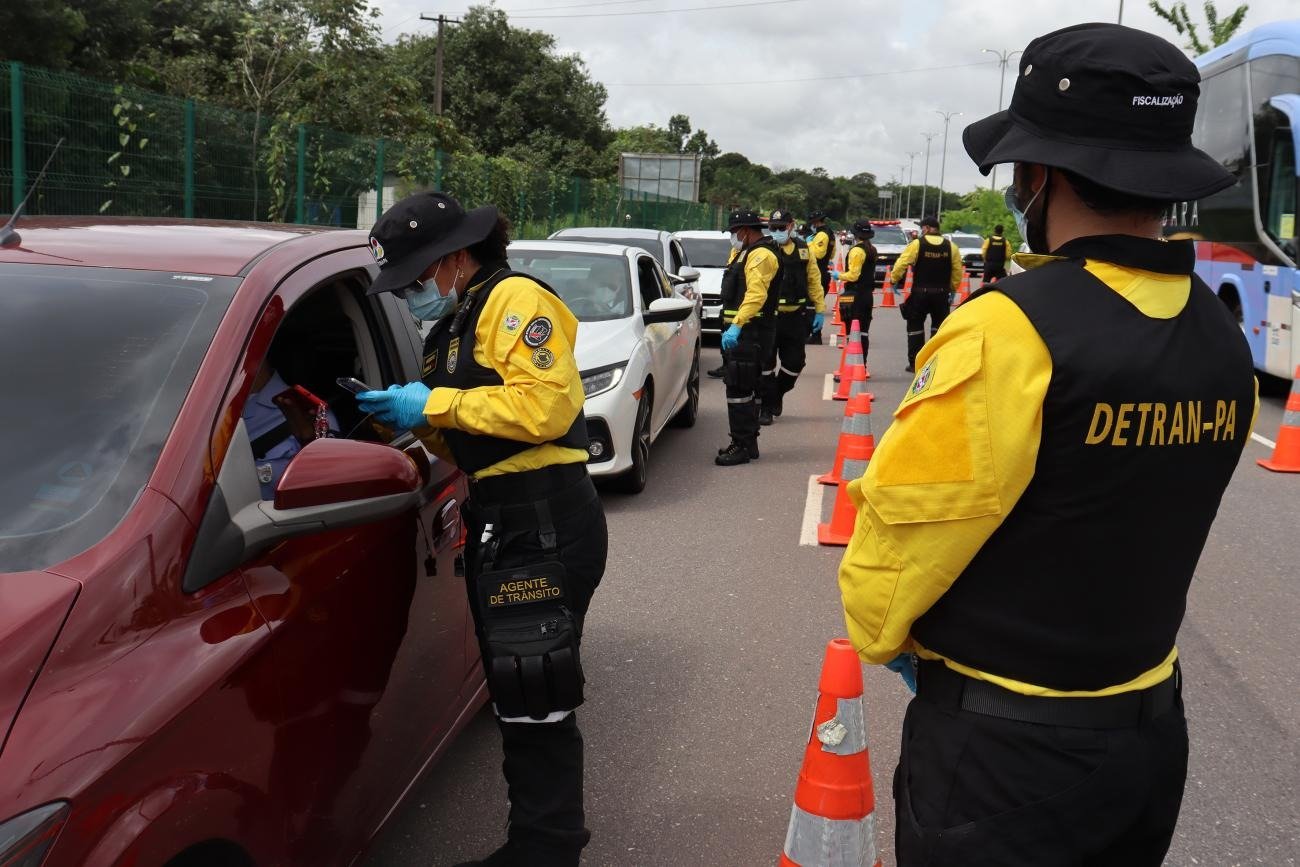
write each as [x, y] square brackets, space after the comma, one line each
[33, 607]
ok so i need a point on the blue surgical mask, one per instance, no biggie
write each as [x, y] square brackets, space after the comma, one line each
[1012, 202]
[781, 237]
[429, 304]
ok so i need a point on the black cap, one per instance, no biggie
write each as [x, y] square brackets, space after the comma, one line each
[864, 229]
[780, 218]
[743, 219]
[931, 221]
[816, 215]
[1110, 103]
[418, 231]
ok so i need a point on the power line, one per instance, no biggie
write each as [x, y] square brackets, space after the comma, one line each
[577, 6]
[657, 11]
[800, 80]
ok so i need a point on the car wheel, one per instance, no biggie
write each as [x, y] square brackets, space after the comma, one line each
[633, 481]
[691, 409]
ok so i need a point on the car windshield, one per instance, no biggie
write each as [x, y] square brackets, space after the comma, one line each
[99, 361]
[707, 252]
[969, 242]
[889, 235]
[651, 245]
[595, 287]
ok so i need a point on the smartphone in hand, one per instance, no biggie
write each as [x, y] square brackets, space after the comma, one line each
[352, 384]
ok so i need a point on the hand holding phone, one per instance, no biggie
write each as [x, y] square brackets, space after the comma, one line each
[352, 384]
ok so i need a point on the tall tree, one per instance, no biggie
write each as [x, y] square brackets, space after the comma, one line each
[1220, 29]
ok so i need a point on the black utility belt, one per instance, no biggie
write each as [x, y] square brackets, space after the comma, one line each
[927, 289]
[939, 684]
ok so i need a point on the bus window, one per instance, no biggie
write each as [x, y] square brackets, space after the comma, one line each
[1273, 76]
[1222, 130]
[1279, 206]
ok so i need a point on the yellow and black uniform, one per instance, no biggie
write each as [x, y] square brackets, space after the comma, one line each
[506, 407]
[996, 253]
[1029, 527]
[799, 289]
[936, 274]
[857, 300]
[749, 301]
[822, 246]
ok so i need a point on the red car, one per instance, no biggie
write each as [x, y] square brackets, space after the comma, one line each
[192, 675]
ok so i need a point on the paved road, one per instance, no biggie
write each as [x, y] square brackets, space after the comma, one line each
[704, 642]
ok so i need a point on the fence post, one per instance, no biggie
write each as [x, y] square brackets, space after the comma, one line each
[189, 159]
[301, 216]
[19, 161]
[379, 179]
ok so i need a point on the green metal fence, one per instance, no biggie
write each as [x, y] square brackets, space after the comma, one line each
[132, 152]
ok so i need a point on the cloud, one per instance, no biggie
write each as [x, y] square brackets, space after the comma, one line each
[758, 53]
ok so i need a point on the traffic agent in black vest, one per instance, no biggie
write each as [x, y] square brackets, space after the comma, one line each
[859, 276]
[822, 244]
[749, 302]
[1032, 522]
[936, 274]
[501, 398]
[798, 287]
[996, 252]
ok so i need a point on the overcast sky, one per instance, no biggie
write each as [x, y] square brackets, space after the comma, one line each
[654, 65]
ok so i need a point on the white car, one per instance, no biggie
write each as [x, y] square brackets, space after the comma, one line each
[638, 348]
[890, 241]
[708, 253]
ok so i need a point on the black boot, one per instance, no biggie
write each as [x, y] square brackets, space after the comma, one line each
[718, 372]
[775, 407]
[732, 455]
[765, 415]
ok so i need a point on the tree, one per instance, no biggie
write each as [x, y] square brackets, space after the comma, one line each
[1220, 30]
[980, 212]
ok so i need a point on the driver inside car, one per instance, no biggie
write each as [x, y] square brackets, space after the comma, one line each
[280, 428]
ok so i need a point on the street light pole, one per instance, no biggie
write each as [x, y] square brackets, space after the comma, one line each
[1004, 57]
[898, 206]
[943, 162]
[911, 158]
[1121, 11]
[925, 181]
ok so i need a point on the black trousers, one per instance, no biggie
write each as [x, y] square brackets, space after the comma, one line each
[860, 309]
[742, 371]
[786, 359]
[920, 304]
[543, 761]
[991, 274]
[980, 791]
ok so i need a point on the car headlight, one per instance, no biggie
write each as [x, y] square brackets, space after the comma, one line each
[25, 840]
[602, 379]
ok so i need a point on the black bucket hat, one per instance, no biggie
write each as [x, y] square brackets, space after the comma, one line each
[1110, 103]
[780, 218]
[816, 215]
[931, 222]
[743, 219]
[418, 231]
[864, 229]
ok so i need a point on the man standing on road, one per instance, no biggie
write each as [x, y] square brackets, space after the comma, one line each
[996, 252]
[859, 278]
[1029, 526]
[799, 288]
[822, 246]
[749, 305]
[936, 274]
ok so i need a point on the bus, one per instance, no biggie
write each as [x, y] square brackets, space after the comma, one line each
[1248, 119]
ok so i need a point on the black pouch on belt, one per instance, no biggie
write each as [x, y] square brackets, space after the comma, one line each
[532, 659]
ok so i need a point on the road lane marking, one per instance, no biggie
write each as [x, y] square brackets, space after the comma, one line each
[828, 389]
[1264, 441]
[812, 513]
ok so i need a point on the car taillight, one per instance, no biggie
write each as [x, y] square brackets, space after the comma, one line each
[25, 840]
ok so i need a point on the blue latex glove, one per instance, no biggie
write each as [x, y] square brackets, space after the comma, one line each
[731, 337]
[904, 665]
[835, 275]
[819, 319]
[401, 407]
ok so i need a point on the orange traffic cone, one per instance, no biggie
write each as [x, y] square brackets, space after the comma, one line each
[849, 385]
[887, 293]
[856, 438]
[855, 337]
[833, 821]
[1286, 456]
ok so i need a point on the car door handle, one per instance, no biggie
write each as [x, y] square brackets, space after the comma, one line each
[448, 524]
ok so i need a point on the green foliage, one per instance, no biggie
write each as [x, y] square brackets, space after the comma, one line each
[1220, 30]
[980, 212]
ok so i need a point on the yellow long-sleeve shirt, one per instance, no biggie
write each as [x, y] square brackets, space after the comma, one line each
[853, 265]
[815, 293]
[534, 404]
[822, 244]
[760, 269]
[930, 498]
[908, 258]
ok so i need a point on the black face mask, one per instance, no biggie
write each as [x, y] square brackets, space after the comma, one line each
[1033, 209]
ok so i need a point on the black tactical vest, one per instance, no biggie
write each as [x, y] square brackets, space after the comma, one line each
[824, 263]
[997, 256]
[867, 278]
[733, 283]
[933, 266]
[449, 363]
[792, 280]
[1084, 584]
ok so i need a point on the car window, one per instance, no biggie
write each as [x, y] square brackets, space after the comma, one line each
[653, 246]
[99, 361]
[707, 252]
[889, 235]
[650, 281]
[595, 287]
[678, 257]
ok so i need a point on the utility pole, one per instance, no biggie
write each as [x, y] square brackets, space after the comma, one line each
[911, 158]
[437, 62]
[1004, 57]
[943, 163]
[1121, 11]
[925, 181]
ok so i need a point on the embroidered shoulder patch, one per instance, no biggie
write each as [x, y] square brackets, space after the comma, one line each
[537, 332]
[453, 354]
[924, 379]
[511, 323]
[543, 358]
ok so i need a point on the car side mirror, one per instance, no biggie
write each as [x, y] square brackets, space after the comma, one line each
[331, 483]
[668, 310]
[685, 274]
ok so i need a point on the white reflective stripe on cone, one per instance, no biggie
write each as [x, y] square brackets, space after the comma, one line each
[859, 423]
[853, 470]
[849, 726]
[812, 841]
